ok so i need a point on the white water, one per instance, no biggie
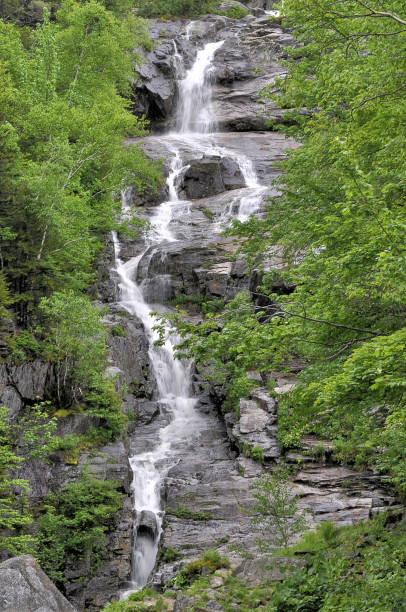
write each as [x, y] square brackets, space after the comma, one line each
[173, 393]
[194, 112]
[195, 122]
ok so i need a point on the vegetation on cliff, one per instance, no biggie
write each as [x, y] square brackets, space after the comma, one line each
[339, 230]
[65, 110]
[186, 8]
[350, 569]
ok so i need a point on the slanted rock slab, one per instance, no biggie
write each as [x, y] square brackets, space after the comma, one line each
[24, 587]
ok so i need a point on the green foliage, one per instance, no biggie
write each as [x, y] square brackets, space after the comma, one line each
[5, 298]
[229, 344]
[35, 431]
[338, 228]
[234, 12]
[170, 554]
[187, 298]
[64, 115]
[276, 511]
[118, 331]
[208, 213]
[14, 511]
[210, 561]
[74, 524]
[166, 8]
[187, 513]
[136, 602]
[254, 452]
[23, 346]
[361, 568]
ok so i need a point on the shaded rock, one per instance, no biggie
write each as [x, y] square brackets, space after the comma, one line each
[147, 522]
[24, 587]
[231, 174]
[202, 179]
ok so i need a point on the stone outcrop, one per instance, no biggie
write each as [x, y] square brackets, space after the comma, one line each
[24, 587]
[256, 426]
[210, 176]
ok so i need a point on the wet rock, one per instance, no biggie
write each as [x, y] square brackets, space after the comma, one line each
[231, 174]
[147, 522]
[24, 587]
[202, 179]
[210, 176]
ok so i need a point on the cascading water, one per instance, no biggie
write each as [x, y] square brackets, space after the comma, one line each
[194, 122]
[173, 377]
[194, 112]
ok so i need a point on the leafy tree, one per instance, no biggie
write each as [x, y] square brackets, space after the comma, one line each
[14, 512]
[151, 8]
[75, 522]
[338, 228]
[75, 340]
[276, 511]
[66, 117]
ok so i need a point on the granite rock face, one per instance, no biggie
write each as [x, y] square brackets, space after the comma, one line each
[249, 43]
[207, 492]
[24, 587]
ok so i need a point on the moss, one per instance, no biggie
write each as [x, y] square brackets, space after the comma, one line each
[186, 513]
[118, 331]
[170, 554]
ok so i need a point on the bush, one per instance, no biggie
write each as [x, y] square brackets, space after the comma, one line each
[361, 568]
[166, 8]
[74, 524]
[234, 12]
[210, 561]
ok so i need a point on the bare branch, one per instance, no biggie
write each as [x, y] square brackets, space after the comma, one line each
[69, 242]
[382, 95]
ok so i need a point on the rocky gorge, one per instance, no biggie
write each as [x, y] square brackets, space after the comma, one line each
[184, 466]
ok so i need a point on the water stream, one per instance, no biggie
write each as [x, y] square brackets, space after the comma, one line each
[195, 125]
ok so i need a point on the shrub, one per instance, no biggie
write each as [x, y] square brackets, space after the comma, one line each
[74, 524]
[210, 561]
[118, 331]
[276, 511]
[166, 8]
[234, 12]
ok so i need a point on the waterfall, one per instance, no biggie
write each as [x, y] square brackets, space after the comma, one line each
[194, 124]
[173, 377]
[194, 112]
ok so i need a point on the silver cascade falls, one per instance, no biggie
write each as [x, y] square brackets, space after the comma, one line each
[195, 130]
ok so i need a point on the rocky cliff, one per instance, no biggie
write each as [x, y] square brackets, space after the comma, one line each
[224, 175]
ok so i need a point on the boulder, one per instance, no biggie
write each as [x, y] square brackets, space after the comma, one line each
[147, 522]
[24, 587]
[255, 571]
[210, 176]
[202, 179]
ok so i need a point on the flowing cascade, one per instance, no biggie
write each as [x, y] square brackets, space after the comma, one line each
[194, 122]
[194, 112]
[173, 377]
